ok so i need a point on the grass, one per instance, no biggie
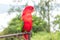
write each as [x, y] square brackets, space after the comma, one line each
[46, 36]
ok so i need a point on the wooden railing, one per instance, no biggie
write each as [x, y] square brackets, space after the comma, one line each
[17, 34]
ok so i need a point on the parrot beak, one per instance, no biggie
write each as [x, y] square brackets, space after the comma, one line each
[34, 9]
[33, 12]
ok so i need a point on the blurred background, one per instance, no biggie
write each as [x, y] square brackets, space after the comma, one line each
[46, 18]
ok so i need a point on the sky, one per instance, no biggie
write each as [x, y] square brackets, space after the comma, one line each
[21, 2]
[4, 6]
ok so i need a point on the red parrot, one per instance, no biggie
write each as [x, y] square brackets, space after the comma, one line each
[27, 19]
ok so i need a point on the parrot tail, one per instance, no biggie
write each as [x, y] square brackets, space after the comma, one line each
[26, 36]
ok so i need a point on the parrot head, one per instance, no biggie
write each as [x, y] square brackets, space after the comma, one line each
[29, 9]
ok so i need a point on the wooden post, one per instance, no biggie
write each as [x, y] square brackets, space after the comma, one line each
[29, 35]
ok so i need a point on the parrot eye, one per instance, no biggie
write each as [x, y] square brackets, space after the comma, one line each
[31, 8]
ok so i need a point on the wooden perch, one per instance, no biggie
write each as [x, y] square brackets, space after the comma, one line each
[17, 34]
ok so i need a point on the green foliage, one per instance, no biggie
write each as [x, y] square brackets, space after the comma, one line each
[44, 9]
[57, 20]
[39, 24]
[14, 9]
[16, 25]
